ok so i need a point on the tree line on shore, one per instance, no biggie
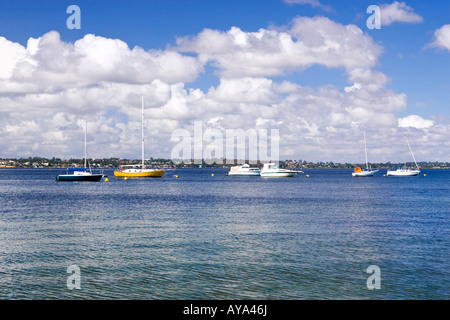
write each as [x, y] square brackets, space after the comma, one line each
[40, 162]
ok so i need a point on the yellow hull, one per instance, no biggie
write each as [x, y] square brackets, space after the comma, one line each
[139, 174]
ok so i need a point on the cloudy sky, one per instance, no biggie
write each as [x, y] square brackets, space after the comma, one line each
[310, 68]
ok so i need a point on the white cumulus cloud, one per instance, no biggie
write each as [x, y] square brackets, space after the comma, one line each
[49, 64]
[442, 37]
[308, 41]
[49, 87]
[415, 121]
[398, 12]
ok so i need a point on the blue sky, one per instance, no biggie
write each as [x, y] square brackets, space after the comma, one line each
[419, 72]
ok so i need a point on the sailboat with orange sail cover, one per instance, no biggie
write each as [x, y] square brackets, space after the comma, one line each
[364, 172]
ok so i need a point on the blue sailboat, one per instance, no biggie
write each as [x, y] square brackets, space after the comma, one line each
[81, 174]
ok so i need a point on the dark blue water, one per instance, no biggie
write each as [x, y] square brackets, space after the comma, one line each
[217, 237]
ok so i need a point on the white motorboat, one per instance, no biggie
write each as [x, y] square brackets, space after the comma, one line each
[367, 172]
[244, 170]
[405, 171]
[270, 170]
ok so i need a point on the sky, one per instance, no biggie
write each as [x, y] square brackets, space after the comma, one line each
[312, 69]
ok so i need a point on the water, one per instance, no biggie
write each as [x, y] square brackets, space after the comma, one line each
[217, 237]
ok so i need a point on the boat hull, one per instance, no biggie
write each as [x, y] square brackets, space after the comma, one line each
[364, 173]
[245, 173]
[244, 170]
[278, 174]
[403, 173]
[71, 177]
[139, 173]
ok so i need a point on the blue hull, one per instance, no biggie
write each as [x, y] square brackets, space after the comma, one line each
[71, 177]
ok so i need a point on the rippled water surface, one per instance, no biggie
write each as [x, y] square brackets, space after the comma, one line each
[217, 237]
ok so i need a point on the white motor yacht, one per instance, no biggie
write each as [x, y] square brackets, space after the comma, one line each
[270, 170]
[244, 170]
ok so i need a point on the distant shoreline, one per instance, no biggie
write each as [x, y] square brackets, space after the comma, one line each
[109, 163]
[207, 167]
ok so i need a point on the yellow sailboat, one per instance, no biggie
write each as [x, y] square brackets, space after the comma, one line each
[138, 171]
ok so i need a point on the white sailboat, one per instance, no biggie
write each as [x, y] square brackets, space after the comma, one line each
[405, 171]
[367, 172]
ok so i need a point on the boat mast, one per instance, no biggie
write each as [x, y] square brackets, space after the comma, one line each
[142, 132]
[406, 162]
[365, 149]
[85, 143]
[411, 153]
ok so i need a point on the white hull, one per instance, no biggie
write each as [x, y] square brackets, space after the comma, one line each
[402, 173]
[244, 173]
[271, 171]
[364, 173]
[244, 170]
[278, 174]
